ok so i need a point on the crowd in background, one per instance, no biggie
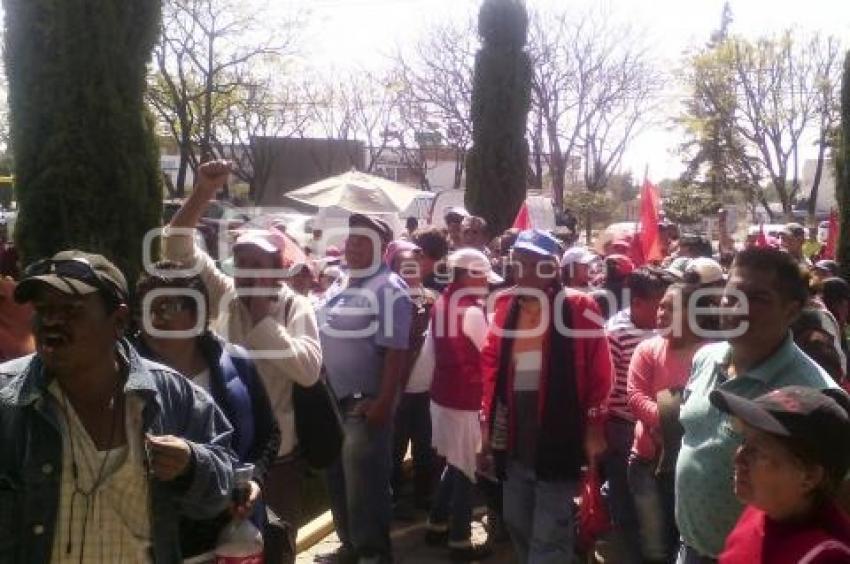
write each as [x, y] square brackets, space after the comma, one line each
[703, 391]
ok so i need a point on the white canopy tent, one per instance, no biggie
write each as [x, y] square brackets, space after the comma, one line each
[357, 192]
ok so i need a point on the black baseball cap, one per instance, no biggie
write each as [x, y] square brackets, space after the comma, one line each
[829, 266]
[815, 417]
[76, 273]
[379, 226]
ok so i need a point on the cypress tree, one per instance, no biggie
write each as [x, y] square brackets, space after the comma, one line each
[85, 158]
[497, 164]
[842, 173]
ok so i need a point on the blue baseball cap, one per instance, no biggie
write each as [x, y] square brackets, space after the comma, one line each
[538, 242]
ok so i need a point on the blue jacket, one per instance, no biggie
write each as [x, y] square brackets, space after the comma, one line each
[238, 391]
[31, 459]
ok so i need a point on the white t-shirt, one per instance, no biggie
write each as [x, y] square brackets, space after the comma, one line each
[202, 380]
[422, 372]
[474, 326]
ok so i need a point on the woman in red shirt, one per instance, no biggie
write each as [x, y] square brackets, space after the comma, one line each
[794, 456]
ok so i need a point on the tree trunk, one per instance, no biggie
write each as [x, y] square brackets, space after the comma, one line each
[537, 148]
[813, 195]
[795, 182]
[206, 119]
[86, 161]
[842, 173]
[763, 201]
[460, 161]
[182, 170]
[557, 164]
[169, 186]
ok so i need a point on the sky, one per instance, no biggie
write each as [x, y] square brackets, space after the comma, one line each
[361, 33]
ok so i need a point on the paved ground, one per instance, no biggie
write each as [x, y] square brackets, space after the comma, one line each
[409, 546]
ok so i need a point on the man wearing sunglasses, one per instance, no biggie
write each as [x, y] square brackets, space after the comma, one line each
[256, 310]
[103, 451]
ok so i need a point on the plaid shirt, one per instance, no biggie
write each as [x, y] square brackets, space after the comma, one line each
[32, 445]
[113, 523]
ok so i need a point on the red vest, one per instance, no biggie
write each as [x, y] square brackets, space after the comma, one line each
[457, 380]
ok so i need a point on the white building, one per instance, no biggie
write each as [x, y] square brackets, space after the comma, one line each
[439, 163]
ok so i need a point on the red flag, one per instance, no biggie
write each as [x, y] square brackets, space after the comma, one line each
[636, 250]
[761, 240]
[523, 218]
[650, 242]
[831, 237]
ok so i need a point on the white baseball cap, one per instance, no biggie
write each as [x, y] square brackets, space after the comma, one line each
[578, 255]
[269, 240]
[473, 260]
[708, 270]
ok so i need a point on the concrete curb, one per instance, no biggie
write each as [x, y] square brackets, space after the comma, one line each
[322, 526]
[314, 532]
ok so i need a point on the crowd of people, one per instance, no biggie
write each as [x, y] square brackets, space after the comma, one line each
[703, 390]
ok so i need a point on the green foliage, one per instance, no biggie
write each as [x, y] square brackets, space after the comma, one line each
[842, 173]
[86, 162]
[590, 208]
[715, 152]
[597, 205]
[497, 164]
[622, 187]
[688, 204]
[503, 24]
[752, 104]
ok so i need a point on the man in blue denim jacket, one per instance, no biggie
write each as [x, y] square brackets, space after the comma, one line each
[102, 451]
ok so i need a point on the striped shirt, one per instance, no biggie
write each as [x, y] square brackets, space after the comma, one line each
[623, 339]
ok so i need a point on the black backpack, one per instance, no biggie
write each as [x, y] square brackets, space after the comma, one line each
[318, 423]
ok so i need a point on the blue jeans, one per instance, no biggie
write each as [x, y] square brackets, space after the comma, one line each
[539, 516]
[413, 425]
[655, 504]
[453, 503]
[619, 435]
[359, 489]
[688, 555]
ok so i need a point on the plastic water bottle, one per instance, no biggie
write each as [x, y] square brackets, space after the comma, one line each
[240, 542]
